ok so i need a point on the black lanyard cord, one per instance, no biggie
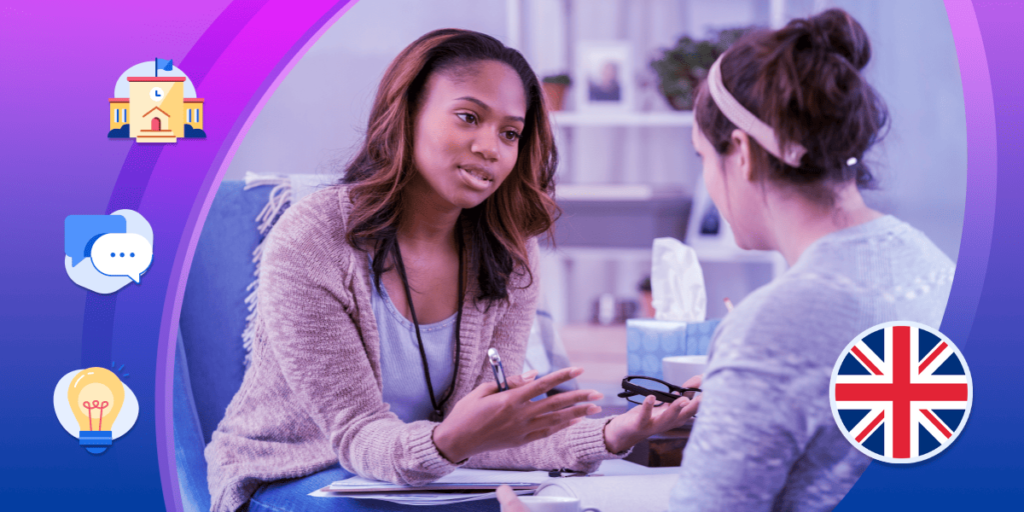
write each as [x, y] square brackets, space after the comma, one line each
[438, 413]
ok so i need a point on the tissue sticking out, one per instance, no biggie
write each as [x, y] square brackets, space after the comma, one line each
[677, 282]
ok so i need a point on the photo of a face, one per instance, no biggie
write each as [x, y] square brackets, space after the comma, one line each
[604, 70]
[604, 85]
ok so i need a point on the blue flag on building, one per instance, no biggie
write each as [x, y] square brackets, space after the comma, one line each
[166, 65]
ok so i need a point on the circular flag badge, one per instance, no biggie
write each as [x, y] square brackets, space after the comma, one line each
[901, 392]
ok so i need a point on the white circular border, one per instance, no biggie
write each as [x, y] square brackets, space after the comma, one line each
[122, 424]
[849, 437]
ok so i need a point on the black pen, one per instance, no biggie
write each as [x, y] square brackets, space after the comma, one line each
[499, 370]
[559, 473]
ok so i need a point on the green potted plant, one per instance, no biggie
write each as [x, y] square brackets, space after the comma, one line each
[681, 68]
[554, 90]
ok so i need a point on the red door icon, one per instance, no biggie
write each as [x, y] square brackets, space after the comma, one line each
[155, 126]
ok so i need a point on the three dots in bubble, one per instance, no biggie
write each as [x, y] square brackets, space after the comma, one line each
[114, 255]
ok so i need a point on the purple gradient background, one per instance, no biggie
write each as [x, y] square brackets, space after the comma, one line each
[59, 63]
[55, 166]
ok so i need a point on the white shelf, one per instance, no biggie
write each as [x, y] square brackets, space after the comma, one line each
[704, 254]
[615, 192]
[565, 118]
[631, 254]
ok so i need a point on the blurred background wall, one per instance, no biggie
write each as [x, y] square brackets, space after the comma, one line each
[629, 161]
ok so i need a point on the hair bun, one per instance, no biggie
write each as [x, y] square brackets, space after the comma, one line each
[837, 32]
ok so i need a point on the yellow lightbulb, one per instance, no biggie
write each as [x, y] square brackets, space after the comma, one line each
[95, 396]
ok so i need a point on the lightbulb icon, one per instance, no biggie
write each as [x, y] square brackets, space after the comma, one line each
[95, 396]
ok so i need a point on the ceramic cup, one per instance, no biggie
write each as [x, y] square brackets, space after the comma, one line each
[678, 369]
[553, 504]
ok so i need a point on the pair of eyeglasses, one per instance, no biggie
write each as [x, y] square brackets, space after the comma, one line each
[639, 386]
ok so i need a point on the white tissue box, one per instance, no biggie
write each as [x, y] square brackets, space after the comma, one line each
[648, 341]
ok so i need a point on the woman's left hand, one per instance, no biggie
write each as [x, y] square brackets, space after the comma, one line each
[646, 420]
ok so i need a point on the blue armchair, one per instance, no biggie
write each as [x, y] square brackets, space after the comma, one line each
[209, 360]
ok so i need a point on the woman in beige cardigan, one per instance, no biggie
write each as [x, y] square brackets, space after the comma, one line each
[439, 210]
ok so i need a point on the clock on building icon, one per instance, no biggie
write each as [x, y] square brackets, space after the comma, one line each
[155, 102]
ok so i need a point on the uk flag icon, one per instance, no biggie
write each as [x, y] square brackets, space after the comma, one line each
[901, 392]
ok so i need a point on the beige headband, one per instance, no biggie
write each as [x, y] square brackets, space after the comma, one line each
[747, 121]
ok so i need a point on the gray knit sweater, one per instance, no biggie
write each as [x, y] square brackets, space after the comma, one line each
[312, 396]
[765, 438]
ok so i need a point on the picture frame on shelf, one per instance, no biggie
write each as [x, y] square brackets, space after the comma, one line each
[707, 228]
[711, 237]
[604, 72]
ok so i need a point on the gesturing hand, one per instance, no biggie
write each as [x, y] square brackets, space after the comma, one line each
[646, 420]
[486, 420]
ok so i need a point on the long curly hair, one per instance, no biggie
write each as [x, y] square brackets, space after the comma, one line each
[495, 232]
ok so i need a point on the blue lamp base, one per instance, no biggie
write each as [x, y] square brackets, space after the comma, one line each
[95, 441]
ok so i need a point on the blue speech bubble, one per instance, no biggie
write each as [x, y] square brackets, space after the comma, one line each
[80, 231]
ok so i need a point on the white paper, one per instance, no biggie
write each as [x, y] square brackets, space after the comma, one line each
[462, 476]
[459, 477]
[425, 498]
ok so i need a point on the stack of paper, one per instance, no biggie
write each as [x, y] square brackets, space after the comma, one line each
[468, 484]
[456, 487]
[418, 498]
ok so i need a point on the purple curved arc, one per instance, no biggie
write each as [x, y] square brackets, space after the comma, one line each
[129, 189]
[296, 27]
[976, 238]
[979, 213]
[211, 45]
[135, 173]
[138, 165]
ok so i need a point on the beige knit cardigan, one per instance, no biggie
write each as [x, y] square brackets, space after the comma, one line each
[312, 396]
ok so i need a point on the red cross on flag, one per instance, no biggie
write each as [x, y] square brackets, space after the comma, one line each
[901, 392]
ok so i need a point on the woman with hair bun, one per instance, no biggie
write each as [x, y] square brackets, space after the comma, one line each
[379, 299]
[782, 125]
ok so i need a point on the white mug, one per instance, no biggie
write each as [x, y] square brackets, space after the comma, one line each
[678, 369]
[553, 504]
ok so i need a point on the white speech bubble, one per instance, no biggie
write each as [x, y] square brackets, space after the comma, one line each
[122, 254]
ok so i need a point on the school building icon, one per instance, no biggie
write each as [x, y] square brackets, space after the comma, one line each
[156, 110]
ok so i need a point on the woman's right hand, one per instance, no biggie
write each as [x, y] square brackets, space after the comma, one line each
[486, 420]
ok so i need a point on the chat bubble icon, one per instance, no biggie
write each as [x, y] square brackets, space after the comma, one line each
[122, 254]
[82, 231]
